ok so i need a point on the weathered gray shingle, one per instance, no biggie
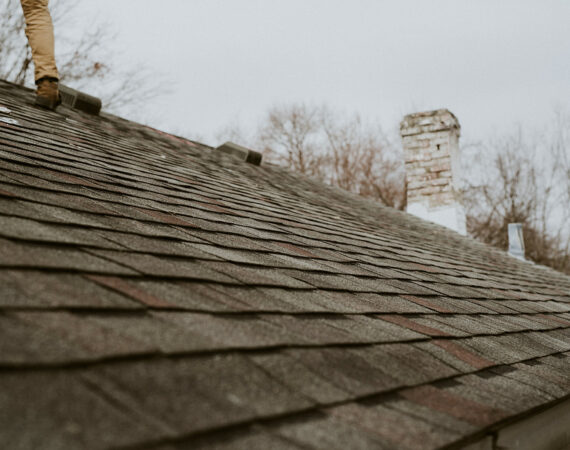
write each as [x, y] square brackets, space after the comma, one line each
[156, 293]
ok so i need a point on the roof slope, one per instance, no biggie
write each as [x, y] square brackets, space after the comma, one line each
[157, 294]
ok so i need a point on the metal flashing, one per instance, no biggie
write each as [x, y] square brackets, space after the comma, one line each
[516, 240]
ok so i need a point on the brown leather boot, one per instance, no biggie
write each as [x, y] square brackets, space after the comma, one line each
[47, 93]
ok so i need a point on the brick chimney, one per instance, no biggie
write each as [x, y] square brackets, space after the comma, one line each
[431, 148]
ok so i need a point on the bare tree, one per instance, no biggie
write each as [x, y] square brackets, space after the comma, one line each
[15, 57]
[291, 136]
[362, 160]
[338, 149]
[84, 57]
[559, 143]
[524, 180]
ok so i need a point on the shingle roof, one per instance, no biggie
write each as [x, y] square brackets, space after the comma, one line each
[155, 293]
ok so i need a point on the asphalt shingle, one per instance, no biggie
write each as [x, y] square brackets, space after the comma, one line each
[155, 293]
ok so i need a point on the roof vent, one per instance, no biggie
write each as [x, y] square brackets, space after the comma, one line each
[242, 153]
[516, 240]
[78, 100]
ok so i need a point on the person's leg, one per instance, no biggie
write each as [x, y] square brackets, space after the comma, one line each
[39, 29]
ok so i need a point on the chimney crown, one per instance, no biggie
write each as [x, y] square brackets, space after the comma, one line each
[429, 122]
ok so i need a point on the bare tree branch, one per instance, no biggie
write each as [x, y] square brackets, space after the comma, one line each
[524, 180]
[337, 149]
[85, 62]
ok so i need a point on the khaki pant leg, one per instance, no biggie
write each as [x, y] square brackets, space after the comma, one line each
[39, 29]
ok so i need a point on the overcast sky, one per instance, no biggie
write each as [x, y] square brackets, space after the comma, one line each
[491, 62]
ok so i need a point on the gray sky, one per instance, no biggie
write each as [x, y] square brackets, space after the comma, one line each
[491, 62]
